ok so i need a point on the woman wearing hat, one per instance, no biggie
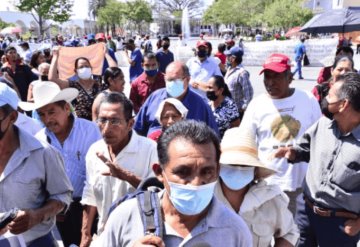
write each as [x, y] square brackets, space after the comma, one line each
[242, 188]
[169, 112]
[88, 87]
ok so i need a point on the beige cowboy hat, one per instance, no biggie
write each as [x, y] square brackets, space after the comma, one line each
[238, 147]
[47, 92]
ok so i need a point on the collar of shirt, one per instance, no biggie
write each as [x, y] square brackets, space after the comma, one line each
[28, 144]
[355, 132]
[256, 196]
[197, 60]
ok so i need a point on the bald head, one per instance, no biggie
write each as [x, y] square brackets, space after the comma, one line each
[178, 70]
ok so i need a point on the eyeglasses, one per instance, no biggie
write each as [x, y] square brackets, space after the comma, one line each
[111, 121]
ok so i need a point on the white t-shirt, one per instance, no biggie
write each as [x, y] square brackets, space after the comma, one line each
[277, 123]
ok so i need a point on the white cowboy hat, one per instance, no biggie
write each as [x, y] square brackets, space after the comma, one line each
[176, 103]
[47, 92]
[238, 147]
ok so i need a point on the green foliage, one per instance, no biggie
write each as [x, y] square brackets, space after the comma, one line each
[56, 10]
[273, 13]
[4, 24]
[286, 14]
[113, 13]
[139, 11]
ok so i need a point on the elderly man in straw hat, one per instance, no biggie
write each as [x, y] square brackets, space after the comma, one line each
[241, 187]
[32, 178]
[72, 137]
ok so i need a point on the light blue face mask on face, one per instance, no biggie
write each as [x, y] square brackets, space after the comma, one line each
[190, 199]
[175, 88]
[237, 177]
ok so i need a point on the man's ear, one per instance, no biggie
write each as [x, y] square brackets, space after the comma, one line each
[157, 169]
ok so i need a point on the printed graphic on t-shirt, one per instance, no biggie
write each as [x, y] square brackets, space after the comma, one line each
[285, 128]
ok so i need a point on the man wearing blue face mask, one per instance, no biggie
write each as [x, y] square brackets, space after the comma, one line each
[202, 68]
[149, 81]
[177, 79]
[189, 168]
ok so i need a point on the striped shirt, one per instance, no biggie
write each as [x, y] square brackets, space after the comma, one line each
[238, 81]
[82, 135]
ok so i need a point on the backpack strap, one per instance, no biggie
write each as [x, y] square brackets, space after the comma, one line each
[150, 211]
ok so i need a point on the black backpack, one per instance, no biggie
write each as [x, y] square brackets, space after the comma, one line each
[149, 205]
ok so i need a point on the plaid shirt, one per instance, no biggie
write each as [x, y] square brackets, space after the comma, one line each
[238, 81]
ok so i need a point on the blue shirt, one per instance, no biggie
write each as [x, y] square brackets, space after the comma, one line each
[164, 59]
[106, 64]
[146, 122]
[299, 50]
[137, 69]
[82, 135]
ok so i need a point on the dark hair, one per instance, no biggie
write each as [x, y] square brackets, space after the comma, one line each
[346, 49]
[193, 131]
[350, 89]
[165, 38]
[81, 58]
[148, 56]
[209, 45]
[119, 98]
[111, 72]
[220, 83]
[221, 47]
[10, 48]
[343, 58]
[34, 58]
[7, 109]
[238, 59]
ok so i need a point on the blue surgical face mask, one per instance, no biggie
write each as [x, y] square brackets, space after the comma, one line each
[151, 72]
[175, 88]
[237, 177]
[190, 199]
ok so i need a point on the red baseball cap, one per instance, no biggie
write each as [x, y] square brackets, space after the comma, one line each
[100, 36]
[276, 62]
[201, 43]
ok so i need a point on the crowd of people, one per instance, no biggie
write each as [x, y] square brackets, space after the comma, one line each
[188, 158]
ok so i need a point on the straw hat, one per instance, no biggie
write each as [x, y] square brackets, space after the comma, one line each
[238, 147]
[47, 92]
[176, 103]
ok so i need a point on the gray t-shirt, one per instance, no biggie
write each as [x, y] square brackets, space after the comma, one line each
[221, 227]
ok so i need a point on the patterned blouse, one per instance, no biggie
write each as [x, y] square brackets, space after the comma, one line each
[224, 114]
[83, 102]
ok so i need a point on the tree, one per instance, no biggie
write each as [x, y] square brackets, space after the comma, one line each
[94, 7]
[42, 10]
[137, 12]
[240, 12]
[286, 14]
[4, 24]
[112, 14]
[194, 6]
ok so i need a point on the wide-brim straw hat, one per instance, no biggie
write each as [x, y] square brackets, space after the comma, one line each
[47, 92]
[238, 147]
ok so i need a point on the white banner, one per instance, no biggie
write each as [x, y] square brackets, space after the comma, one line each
[319, 51]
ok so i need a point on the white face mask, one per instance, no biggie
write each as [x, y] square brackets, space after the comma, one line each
[237, 177]
[84, 73]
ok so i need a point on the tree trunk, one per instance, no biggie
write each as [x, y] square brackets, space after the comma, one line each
[41, 27]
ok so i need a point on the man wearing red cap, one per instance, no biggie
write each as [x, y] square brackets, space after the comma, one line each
[278, 118]
[202, 68]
